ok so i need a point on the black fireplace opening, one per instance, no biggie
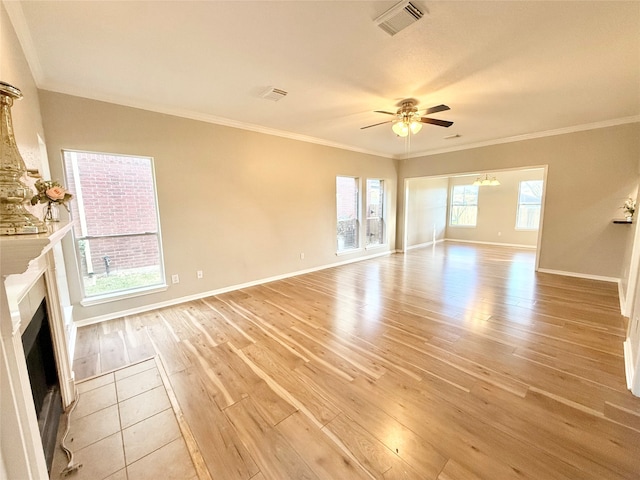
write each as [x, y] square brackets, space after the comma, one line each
[43, 376]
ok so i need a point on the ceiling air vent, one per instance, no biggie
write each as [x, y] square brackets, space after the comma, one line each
[274, 94]
[399, 17]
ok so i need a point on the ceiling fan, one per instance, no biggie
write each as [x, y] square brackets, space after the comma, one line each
[407, 119]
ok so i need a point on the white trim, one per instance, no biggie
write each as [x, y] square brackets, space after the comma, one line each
[19, 22]
[529, 136]
[340, 253]
[631, 373]
[580, 275]
[515, 245]
[123, 295]
[622, 298]
[426, 244]
[231, 288]
[377, 247]
[202, 117]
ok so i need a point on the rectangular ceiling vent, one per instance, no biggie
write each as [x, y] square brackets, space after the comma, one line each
[274, 94]
[399, 17]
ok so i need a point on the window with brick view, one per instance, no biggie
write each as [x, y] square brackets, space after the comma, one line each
[116, 227]
[347, 209]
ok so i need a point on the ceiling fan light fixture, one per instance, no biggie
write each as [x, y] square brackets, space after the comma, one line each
[400, 128]
[415, 126]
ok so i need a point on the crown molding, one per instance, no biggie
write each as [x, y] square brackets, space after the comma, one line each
[530, 136]
[19, 22]
[202, 117]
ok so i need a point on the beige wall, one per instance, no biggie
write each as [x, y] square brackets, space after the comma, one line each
[27, 121]
[590, 174]
[497, 209]
[27, 125]
[426, 210]
[239, 205]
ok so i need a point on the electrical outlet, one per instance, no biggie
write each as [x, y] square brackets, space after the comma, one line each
[175, 278]
[199, 274]
[302, 256]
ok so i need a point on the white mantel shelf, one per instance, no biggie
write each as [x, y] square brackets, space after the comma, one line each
[16, 251]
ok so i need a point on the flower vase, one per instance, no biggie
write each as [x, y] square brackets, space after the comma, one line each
[52, 212]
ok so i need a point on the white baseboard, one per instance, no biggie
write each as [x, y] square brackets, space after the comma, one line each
[516, 245]
[426, 244]
[580, 275]
[175, 301]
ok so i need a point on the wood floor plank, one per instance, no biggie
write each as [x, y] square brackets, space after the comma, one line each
[328, 459]
[452, 362]
[454, 471]
[318, 406]
[220, 446]
[272, 451]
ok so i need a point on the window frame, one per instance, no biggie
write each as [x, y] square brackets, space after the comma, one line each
[538, 204]
[382, 215]
[452, 205]
[114, 295]
[358, 217]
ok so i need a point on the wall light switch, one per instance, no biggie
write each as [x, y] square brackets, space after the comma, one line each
[175, 278]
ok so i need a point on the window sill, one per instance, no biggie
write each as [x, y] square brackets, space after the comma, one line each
[114, 297]
[373, 247]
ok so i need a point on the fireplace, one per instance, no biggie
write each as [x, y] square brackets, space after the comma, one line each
[36, 333]
[43, 377]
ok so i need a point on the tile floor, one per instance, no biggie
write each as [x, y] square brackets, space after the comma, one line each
[124, 428]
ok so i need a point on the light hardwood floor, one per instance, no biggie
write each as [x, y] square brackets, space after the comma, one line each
[456, 362]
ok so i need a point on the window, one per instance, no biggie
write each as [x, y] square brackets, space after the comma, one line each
[347, 206]
[529, 205]
[116, 228]
[374, 228]
[464, 206]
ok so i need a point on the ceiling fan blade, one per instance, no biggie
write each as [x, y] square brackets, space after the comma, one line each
[435, 121]
[436, 109]
[386, 113]
[375, 124]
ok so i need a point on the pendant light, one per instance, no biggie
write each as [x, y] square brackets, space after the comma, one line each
[486, 181]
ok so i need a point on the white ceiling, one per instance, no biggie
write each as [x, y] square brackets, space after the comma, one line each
[506, 69]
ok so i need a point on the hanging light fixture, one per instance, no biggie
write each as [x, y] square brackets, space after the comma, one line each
[409, 122]
[486, 181]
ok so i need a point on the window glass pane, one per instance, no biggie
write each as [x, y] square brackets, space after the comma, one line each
[529, 205]
[375, 212]
[347, 213]
[116, 226]
[464, 206]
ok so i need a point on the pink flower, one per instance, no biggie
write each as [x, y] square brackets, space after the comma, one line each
[55, 193]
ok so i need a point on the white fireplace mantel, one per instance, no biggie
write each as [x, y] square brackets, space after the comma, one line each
[17, 251]
[28, 274]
